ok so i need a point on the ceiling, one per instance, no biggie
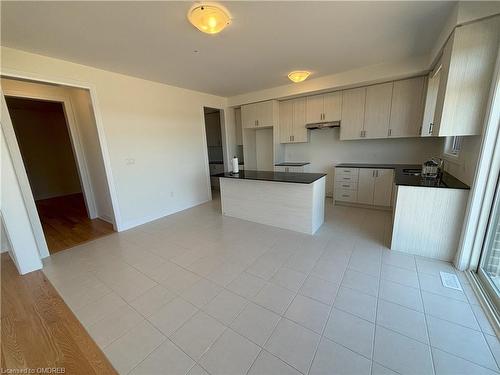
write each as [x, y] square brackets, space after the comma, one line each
[266, 40]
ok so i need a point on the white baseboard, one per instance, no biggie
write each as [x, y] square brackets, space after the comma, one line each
[135, 223]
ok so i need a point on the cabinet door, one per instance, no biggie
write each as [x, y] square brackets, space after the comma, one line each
[266, 113]
[430, 101]
[377, 110]
[332, 103]
[286, 121]
[382, 190]
[299, 131]
[366, 184]
[406, 108]
[353, 113]
[249, 115]
[237, 125]
[314, 109]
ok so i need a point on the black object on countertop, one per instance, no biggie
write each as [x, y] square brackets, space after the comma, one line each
[292, 164]
[299, 178]
[403, 175]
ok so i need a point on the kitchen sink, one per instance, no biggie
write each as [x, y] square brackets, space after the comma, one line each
[412, 171]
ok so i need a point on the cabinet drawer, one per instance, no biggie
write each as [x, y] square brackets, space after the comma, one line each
[346, 185]
[341, 176]
[346, 174]
[346, 195]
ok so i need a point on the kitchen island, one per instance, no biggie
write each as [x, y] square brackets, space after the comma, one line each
[294, 201]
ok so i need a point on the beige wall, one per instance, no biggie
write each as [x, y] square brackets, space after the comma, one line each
[45, 145]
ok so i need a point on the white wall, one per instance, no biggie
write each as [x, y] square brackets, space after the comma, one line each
[4, 240]
[84, 114]
[464, 167]
[153, 135]
[325, 150]
[14, 214]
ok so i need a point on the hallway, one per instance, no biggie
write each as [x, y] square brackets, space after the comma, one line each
[66, 224]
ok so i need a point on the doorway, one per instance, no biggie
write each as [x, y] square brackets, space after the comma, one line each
[48, 155]
[213, 131]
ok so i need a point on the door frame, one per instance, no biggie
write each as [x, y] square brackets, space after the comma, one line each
[74, 137]
[20, 171]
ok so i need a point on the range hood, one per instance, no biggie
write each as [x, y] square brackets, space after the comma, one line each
[322, 125]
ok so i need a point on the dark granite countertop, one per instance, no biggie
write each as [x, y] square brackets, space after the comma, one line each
[240, 162]
[298, 178]
[292, 164]
[446, 181]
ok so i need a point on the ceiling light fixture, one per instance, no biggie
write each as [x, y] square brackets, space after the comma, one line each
[298, 75]
[209, 18]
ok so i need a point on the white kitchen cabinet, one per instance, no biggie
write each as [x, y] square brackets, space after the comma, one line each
[286, 121]
[353, 113]
[430, 101]
[314, 109]
[406, 107]
[237, 125]
[299, 133]
[377, 110]
[467, 65]
[324, 108]
[332, 103]
[365, 186]
[382, 189]
[292, 121]
[292, 169]
[257, 115]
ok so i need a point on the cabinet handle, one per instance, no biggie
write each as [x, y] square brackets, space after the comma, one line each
[361, 133]
[347, 170]
[347, 178]
[376, 173]
[390, 132]
[431, 127]
[345, 185]
[293, 138]
[373, 173]
[345, 196]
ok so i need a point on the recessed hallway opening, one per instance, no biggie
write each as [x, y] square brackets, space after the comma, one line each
[48, 156]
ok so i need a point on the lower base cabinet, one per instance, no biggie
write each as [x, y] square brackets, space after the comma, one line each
[364, 186]
[291, 169]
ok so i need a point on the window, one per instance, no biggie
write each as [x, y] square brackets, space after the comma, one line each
[452, 146]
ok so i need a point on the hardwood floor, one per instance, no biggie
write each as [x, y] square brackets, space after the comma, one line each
[65, 222]
[38, 329]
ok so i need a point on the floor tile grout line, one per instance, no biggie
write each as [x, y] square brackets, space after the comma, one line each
[376, 319]
[328, 319]
[427, 328]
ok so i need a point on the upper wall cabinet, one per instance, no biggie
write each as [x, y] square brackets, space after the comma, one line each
[353, 113]
[263, 114]
[292, 120]
[430, 101]
[467, 65]
[237, 125]
[406, 107]
[377, 110]
[324, 108]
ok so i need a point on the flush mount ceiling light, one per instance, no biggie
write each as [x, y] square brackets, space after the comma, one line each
[298, 75]
[209, 18]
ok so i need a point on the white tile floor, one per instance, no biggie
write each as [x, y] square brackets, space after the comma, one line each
[198, 293]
